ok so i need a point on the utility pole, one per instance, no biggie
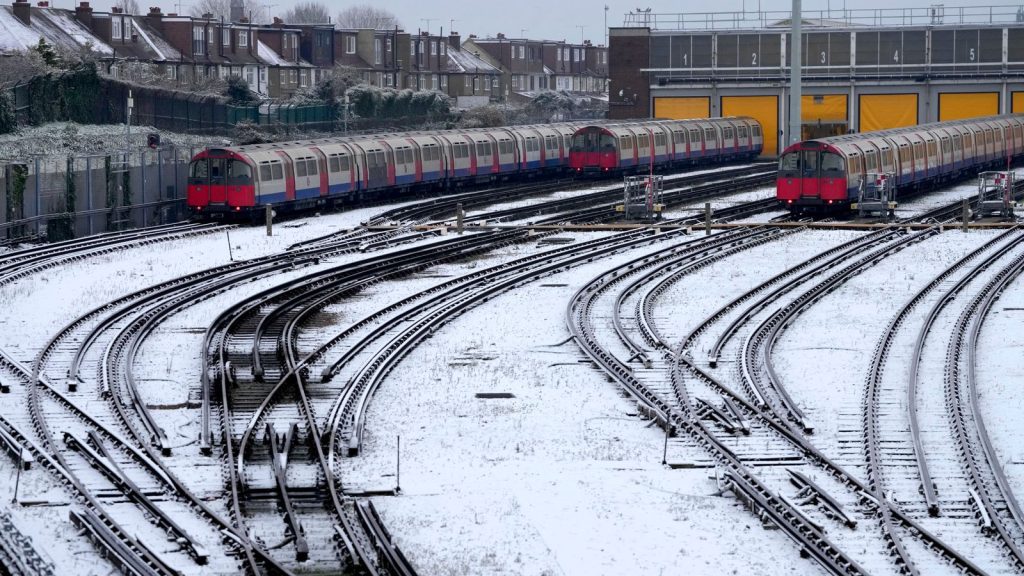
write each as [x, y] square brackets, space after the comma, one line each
[605, 24]
[795, 80]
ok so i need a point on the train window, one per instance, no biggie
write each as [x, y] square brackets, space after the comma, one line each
[659, 140]
[300, 168]
[870, 160]
[756, 130]
[727, 133]
[642, 141]
[789, 162]
[278, 170]
[266, 174]
[832, 164]
[607, 143]
[694, 135]
[200, 169]
[311, 167]
[332, 164]
[551, 142]
[743, 131]
[483, 149]
[810, 162]
[239, 173]
[627, 143]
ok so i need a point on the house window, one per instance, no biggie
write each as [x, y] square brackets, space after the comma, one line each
[350, 44]
[565, 54]
[444, 48]
[243, 39]
[515, 82]
[380, 78]
[115, 28]
[583, 55]
[435, 82]
[423, 46]
[575, 54]
[469, 82]
[476, 84]
[378, 51]
[522, 52]
[433, 48]
[444, 83]
[388, 44]
[412, 48]
[198, 45]
[558, 54]
[304, 78]
[293, 76]
[225, 36]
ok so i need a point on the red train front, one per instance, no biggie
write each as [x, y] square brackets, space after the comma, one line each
[220, 181]
[594, 150]
[812, 177]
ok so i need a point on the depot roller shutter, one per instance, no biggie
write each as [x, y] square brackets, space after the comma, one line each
[1017, 103]
[967, 105]
[682, 108]
[827, 108]
[764, 109]
[884, 111]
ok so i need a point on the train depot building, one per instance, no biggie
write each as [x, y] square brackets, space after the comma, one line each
[863, 70]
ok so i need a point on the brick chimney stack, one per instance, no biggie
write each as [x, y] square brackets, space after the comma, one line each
[23, 11]
[454, 40]
[83, 13]
[155, 18]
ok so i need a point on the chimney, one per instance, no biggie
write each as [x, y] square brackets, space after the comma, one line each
[454, 40]
[155, 18]
[43, 3]
[237, 11]
[23, 10]
[243, 20]
[501, 36]
[278, 22]
[83, 13]
[115, 10]
[208, 16]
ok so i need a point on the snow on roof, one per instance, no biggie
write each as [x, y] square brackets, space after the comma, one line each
[464, 61]
[156, 42]
[270, 57]
[57, 26]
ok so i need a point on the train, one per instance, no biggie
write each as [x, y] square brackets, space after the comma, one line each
[239, 181]
[826, 174]
[618, 148]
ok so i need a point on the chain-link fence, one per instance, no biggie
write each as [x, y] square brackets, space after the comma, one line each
[59, 198]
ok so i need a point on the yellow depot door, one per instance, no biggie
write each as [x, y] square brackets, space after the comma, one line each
[1017, 103]
[956, 106]
[682, 108]
[884, 111]
[828, 109]
[764, 109]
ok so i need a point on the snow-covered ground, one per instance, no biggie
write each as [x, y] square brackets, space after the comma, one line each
[562, 478]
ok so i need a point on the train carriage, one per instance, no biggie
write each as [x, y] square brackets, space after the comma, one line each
[294, 175]
[918, 157]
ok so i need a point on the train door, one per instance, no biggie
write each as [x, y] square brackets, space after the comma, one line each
[218, 191]
[810, 173]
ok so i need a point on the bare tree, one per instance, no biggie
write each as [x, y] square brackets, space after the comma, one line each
[367, 16]
[311, 12]
[221, 9]
[128, 6]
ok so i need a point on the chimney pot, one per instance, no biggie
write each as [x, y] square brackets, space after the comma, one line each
[208, 16]
[43, 4]
[115, 10]
[23, 11]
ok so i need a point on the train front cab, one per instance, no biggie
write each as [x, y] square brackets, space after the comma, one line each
[219, 182]
[812, 177]
[594, 150]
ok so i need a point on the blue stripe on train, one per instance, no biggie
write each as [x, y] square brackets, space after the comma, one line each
[462, 172]
[339, 188]
[407, 179]
[270, 198]
[507, 168]
[431, 176]
[307, 193]
[533, 164]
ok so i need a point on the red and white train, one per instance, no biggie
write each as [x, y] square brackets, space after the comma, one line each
[627, 147]
[299, 175]
[826, 174]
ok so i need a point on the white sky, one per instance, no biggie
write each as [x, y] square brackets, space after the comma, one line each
[541, 18]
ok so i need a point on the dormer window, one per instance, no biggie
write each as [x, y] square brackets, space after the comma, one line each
[116, 24]
[225, 35]
[350, 44]
[243, 39]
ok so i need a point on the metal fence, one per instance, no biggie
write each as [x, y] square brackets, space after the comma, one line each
[59, 198]
[835, 15]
